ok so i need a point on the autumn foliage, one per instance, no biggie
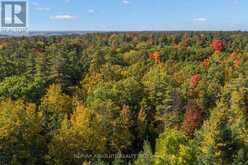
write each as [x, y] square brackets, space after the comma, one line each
[192, 118]
[206, 62]
[217, 45]
[97, 98]
[175, 44]
[237, 63]
[195, 79]
[186, 41]
[155, 57]
[233, 56]
[235, 59]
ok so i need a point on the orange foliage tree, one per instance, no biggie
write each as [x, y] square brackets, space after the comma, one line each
[206, 62]
[235, 59]
[195, 79]
[155, 56]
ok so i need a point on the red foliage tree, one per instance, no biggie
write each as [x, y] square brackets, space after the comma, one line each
[155, 57]
[195, 79]
[217, 45]
[192, 118]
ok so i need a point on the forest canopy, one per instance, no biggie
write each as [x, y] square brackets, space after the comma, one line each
[141, 98]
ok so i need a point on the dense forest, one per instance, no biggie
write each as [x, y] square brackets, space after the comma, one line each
[137, 98]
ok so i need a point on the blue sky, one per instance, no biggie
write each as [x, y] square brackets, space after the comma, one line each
[128, 15]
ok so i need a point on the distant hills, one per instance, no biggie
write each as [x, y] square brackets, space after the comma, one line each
[64, 33]
[43, 33]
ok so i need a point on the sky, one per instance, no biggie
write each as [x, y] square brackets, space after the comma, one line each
[137, 15]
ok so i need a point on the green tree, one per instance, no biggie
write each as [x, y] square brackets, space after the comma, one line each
[16, 87]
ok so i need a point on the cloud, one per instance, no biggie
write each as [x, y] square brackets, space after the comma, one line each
[62, 17]
[42, 8]
[125, 2]
[91, 11]
[200, 19]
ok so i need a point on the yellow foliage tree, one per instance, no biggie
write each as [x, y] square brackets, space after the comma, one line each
[78, 138]
[20, 128]
[55, 106]
[174, 148]
[224, 135]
